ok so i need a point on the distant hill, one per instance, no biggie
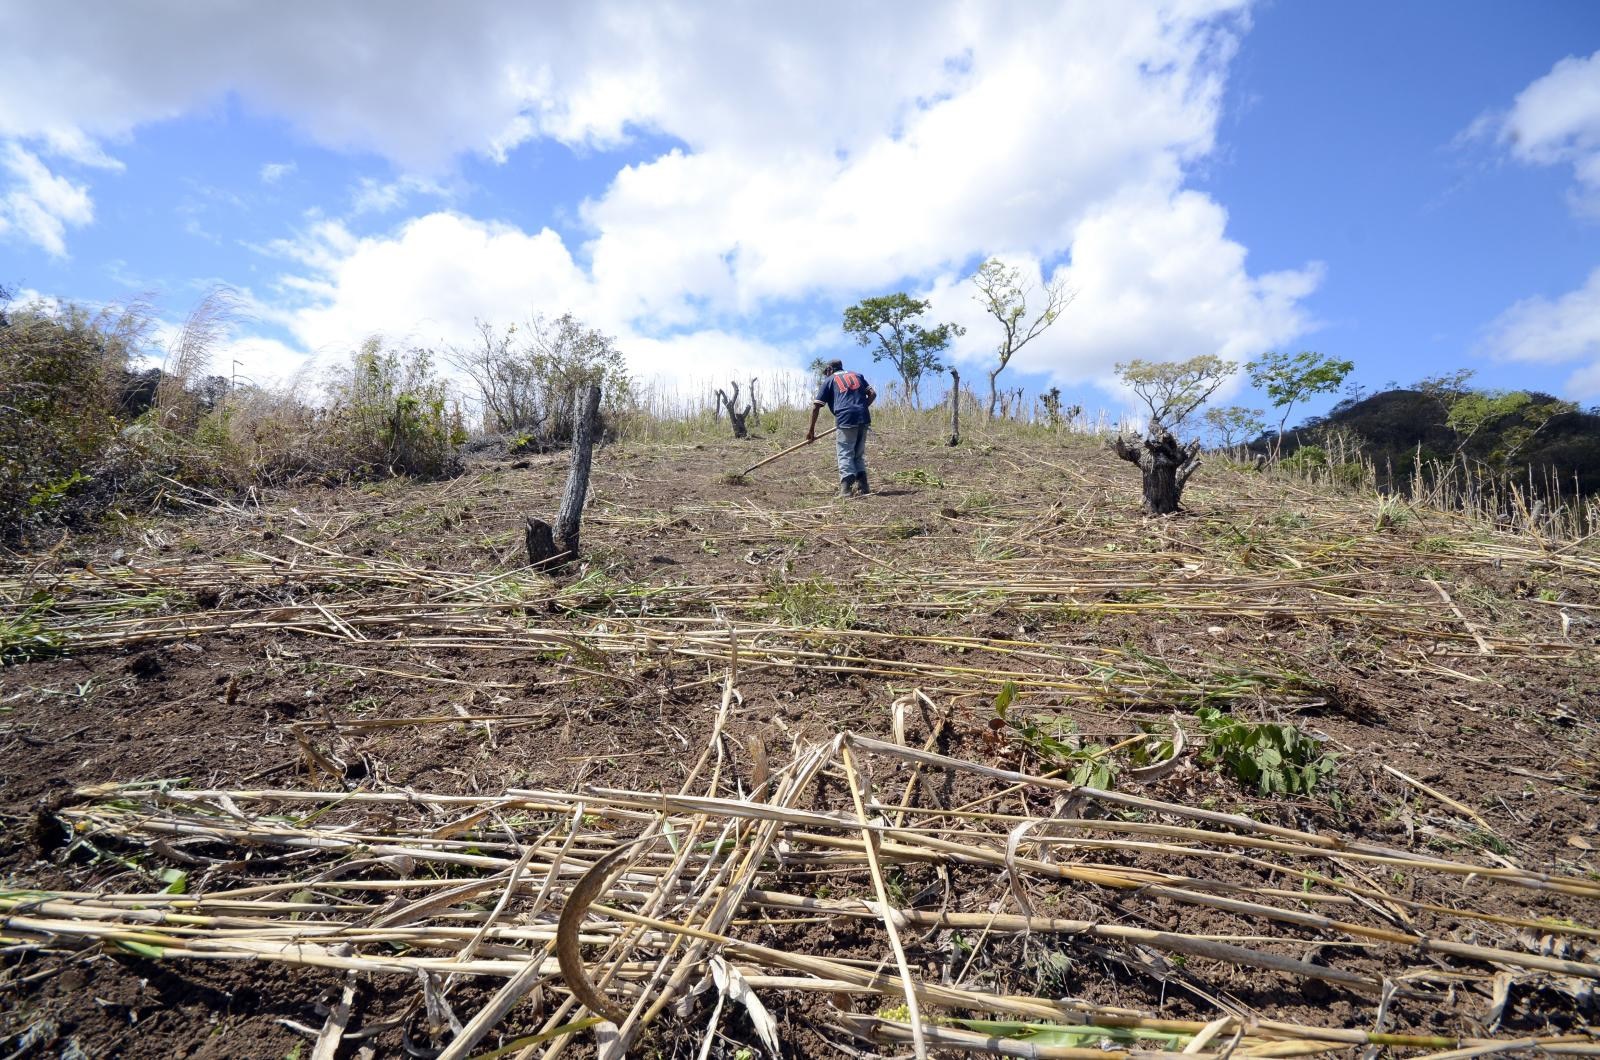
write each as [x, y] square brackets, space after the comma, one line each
[1395, 425]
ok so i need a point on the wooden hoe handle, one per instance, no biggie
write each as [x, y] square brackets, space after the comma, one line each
[789, 450]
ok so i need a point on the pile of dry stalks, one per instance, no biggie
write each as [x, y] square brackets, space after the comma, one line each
[623, 913]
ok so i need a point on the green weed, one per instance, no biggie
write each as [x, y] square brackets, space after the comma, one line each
[1277, 758]
[976, 502]
[916, 476]
[26, 636]
[1054, 746]
[809, 603]
[992, 548]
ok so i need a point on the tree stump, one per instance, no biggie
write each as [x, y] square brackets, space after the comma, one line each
[570, 518]
[1165, 466]
[540, 541]
[554, 546]
[955, 407]
[736, 417]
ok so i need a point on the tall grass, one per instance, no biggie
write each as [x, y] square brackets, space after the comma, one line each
[1538, 502]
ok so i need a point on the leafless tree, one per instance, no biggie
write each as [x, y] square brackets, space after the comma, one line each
[1004, 295]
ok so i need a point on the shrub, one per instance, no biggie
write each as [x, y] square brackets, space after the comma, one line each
[529, 377]
[61, 373]
[389, 413]
[1305, 459]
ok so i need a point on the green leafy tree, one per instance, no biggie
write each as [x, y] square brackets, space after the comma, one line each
[1516, 417]
[1234, 425]
[1004, 295]
[889, 324]
[1173, 390]
[1445, 389]
[1290, 378]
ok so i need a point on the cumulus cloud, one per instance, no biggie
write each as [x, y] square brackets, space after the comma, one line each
[1554, 331]
[429, 280]
[37, 205]
[433, 279]
[1556, 121]
[1152, 276]
[813, 166]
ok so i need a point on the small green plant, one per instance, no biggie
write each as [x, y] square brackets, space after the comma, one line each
[1276, 757]
[49, 494]
[812, 602]
[902, 529]
[1087, 764]
[991, 548]
[916, 476]
[25, 636]
[1392, 513]
[977, 501]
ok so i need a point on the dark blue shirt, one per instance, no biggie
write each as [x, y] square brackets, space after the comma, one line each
[845, 394]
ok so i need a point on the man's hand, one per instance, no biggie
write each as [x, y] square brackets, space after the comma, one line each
[811, 433]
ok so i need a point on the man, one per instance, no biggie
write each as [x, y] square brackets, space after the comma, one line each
[849, 397]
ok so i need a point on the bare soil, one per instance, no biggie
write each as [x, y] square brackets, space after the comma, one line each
[1468, 660]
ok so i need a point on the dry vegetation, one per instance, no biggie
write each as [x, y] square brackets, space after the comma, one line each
[985, 763]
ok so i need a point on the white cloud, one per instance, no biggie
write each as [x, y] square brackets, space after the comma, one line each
[37, 205]
[378, 196]
[1154, 277]
[1554, 331]
[1556, 121]
[261, 361]
[816, 165]
[426, 282]
[273, 172]
[430, 282]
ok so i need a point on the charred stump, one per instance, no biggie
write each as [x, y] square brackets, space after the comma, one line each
[1165, 466]
[540, 540]
[736, 417]
[955, 407]
[553, 546]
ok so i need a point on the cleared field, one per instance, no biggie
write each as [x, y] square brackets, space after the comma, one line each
[324, 774]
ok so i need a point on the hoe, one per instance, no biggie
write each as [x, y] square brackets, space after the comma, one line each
[763, 463]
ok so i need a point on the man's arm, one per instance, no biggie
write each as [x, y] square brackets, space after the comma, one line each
[811, 431]
[872, 395]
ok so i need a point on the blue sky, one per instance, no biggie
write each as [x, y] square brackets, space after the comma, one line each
[1415, 187]
[1342, 138]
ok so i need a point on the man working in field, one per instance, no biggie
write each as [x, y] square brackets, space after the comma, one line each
[849, 397]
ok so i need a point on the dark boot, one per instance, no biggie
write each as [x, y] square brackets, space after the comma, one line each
[846, 484]
[861, 481]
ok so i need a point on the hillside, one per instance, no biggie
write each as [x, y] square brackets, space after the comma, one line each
[1395, 426]
[323, 773]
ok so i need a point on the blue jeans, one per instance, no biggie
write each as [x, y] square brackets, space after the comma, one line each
[852, 443]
